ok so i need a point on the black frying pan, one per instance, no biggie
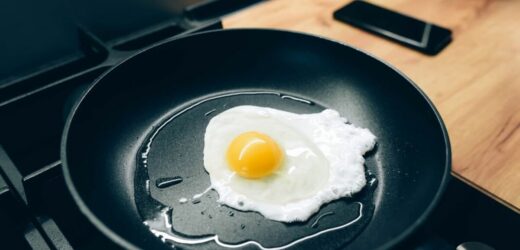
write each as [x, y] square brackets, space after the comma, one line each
[174, 85]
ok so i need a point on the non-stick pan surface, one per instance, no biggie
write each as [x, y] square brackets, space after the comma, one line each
[168, 93]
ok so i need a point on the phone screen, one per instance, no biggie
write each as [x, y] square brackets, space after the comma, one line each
[414, 33]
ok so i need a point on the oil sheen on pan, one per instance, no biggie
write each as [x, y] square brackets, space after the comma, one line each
[183, 208]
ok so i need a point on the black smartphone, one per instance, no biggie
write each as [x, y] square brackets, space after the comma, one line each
[425, 37]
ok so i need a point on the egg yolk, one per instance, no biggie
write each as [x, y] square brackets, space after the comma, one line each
[254, 155]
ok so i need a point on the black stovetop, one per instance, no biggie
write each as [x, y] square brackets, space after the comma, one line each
[48, 58]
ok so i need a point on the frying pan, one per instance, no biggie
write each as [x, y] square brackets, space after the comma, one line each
[160, 100]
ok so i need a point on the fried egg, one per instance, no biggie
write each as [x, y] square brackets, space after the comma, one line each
[284, 165]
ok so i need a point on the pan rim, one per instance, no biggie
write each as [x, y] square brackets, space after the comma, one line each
[85, 210]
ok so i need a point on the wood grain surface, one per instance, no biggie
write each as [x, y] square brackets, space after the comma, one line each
[474, 82]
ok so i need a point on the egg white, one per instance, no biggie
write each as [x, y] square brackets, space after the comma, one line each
[323, 161]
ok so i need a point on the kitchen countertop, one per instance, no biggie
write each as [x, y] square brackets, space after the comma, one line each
[474, 82]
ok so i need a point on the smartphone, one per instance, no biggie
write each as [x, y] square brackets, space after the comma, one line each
[425, 37]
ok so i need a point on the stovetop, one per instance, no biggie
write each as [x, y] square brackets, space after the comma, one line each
[63, 48]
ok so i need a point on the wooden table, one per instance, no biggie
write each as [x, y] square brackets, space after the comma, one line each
[474, 82]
